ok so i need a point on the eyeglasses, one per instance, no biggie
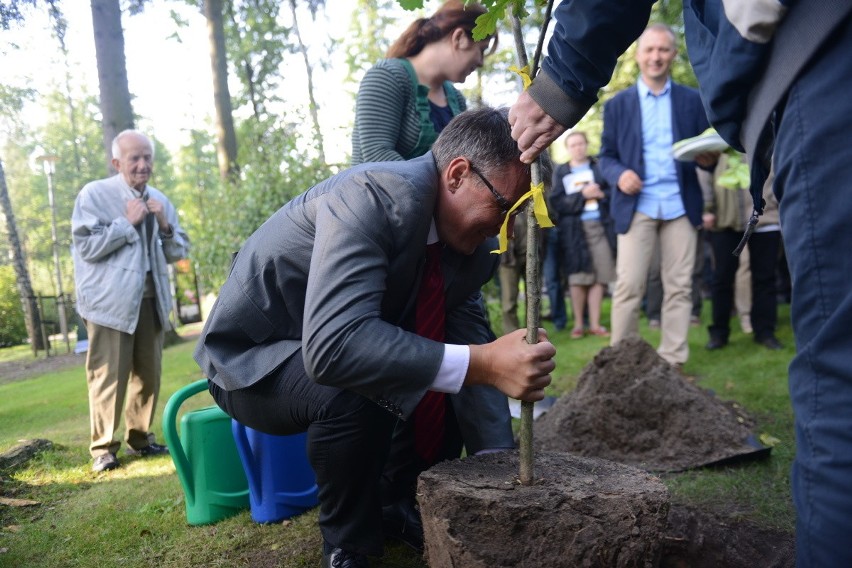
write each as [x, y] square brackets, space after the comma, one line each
[502, 202]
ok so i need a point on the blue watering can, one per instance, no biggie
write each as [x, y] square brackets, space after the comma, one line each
[281, 481]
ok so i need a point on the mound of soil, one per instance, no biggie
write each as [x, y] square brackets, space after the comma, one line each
[632, 407]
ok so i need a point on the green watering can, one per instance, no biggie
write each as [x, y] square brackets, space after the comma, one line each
[206, 459]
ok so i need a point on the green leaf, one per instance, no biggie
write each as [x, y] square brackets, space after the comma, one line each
[486, 25]
[410, 4]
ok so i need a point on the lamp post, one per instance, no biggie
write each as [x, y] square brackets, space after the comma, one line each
[49, 163]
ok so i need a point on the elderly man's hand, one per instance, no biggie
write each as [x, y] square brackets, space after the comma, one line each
[533, 128]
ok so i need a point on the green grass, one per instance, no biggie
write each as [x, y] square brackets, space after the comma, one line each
[135, 516]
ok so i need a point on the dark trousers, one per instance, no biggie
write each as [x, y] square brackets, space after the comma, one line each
[553, 279]
[350, 439]
[763, 256]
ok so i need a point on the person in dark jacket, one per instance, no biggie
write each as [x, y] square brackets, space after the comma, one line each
[580, 200]
[728, 46]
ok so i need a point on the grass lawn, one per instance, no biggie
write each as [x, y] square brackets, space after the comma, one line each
[135, 516]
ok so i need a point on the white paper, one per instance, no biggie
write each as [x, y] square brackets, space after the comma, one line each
[575, 182]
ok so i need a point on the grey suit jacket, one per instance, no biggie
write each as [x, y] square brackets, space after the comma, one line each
[335, 273]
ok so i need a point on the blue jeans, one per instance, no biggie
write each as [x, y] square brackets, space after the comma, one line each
[814, 182]
[553, 279]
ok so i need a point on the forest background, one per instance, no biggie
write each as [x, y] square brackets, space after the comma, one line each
[249, 102]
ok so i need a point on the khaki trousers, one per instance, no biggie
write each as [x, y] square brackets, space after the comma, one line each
[510, 280]
[677, 239]
[123, 366]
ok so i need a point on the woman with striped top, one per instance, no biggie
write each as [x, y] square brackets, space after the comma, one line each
[404, 101]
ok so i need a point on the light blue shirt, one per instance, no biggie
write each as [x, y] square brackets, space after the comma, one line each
[660, 196]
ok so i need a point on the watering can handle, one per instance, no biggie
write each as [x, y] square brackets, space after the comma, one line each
[245, 451]
[173, 440]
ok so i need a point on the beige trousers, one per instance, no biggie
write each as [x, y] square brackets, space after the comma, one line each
[510, 279]
[123, 366]
[677, 239]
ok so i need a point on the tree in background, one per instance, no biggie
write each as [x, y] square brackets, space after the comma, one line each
[13, 329]
[27, 298]
[313, 107]
[116, 109]
[226, 149]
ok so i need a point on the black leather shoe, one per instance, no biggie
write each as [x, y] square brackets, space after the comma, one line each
[339, 558]
[715, 343]
[151, 449]
[770, 342]
[401, 521]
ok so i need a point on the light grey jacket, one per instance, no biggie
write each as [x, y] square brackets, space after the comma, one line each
[335, 273]
[109, 268]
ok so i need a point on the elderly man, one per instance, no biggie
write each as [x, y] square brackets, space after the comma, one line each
[125, 232]
[356, 306]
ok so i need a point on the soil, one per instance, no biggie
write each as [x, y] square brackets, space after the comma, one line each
[629, 407]
[632, 407]
[19, 369]
[578, 512]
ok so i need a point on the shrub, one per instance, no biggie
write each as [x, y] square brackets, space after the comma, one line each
[13, 329]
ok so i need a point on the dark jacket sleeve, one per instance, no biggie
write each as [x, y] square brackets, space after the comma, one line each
[588, 37]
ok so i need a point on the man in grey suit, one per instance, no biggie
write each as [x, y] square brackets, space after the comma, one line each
[314, 330]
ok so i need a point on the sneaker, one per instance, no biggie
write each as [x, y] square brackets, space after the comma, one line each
[105, 462]
[695, 321]
[152, 449]
[653, 324]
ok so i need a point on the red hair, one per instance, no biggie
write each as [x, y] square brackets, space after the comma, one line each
[423, 31]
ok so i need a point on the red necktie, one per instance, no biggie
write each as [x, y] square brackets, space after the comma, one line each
[429, 322]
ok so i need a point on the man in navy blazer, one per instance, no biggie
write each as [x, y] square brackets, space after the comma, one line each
[314, 328]
[657, 198]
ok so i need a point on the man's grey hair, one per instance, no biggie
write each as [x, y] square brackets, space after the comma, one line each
[660, 27]
[483, 136]
[116, 150]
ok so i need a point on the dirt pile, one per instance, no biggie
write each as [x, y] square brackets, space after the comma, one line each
[632, 407]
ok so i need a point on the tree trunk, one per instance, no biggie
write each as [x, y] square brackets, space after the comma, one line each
[115, 104]
[25, 288]
[227, 138]
[309, 70]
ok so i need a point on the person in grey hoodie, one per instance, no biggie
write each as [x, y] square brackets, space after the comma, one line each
[124, 234]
